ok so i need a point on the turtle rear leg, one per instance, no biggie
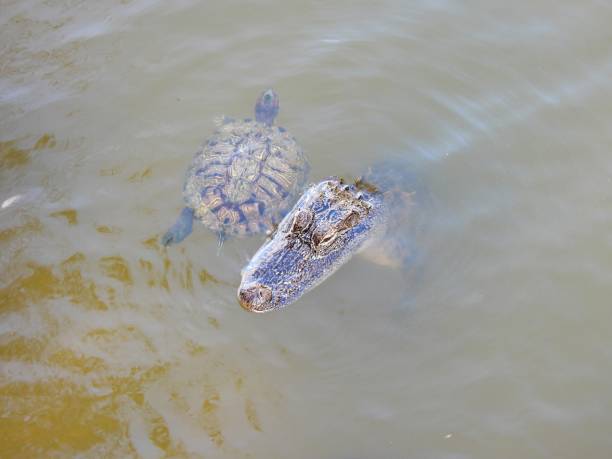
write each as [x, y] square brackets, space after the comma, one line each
[181, 228]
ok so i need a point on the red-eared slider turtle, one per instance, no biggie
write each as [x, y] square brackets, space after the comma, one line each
[244, 178]
[330, 223]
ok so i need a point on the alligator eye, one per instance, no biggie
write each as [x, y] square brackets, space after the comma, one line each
[321, 241]
[301, 221]
[349, 221]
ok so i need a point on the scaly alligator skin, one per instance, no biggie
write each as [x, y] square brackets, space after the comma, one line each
[329, 224]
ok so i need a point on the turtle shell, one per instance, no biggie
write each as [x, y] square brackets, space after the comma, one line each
[245, 178]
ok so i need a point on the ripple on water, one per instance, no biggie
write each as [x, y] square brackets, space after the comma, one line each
[112, 346]
[92, 377]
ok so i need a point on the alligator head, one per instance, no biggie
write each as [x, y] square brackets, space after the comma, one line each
[329, 224]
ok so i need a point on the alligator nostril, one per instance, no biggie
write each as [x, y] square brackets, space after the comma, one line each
[255, 298]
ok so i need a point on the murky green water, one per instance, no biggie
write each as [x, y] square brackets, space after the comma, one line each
[496, 344]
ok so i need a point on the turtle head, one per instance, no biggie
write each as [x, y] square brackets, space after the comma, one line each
[328, 225]
[266, 107]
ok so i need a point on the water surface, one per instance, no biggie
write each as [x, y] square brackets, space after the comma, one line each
[497, 343]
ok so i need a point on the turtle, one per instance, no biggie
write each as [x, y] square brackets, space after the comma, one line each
[331, 222]
[244, 178]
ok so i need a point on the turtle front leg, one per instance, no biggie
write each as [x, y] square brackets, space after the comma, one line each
[180, 230]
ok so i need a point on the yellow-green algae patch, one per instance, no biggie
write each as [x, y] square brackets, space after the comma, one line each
[186, 279]
[57, 416]
[159, 434]
[82, 364]
[239, 382]
[140, 176]
[22, 348]
[251, 415]
[109, 337]
[45, 141]
[210, 419]
[12, 156]
[54, 416]
[44, 283]
[133, 384]
[31, 224]
[153, 278]
[38, 285]
[194, 348]
[117, 268]
[110, 172]
[70, 215]
[104, 229]
[152, 244]
[206, 277]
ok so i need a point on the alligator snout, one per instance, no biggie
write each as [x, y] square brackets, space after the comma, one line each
[255, 297]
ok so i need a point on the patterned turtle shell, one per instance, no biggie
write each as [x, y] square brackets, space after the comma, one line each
[245, 178]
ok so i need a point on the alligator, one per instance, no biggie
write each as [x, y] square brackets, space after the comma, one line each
[331, 222]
